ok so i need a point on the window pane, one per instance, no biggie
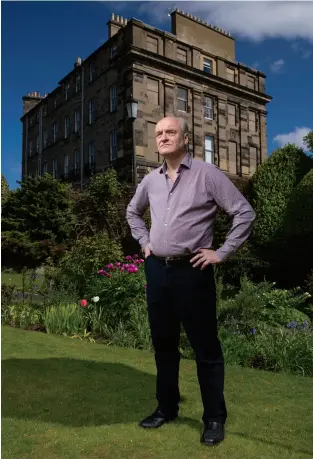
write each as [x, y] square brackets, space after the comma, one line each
[207, 65]
[182, 93]
[208, 108]
[209, 150]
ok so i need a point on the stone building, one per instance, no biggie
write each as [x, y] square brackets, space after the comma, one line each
[82, 126]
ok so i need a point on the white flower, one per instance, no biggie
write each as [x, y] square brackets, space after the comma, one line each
[95, 299]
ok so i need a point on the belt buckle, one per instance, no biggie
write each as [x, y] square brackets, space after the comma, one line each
[167, 259]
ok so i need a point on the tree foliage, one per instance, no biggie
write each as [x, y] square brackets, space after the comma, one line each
[272, 187]
[5, 190]
[37, 219]
[298, 229]
[101, 206]
[308, 141]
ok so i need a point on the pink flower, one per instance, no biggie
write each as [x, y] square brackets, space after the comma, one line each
[108, 275]
[110, 266]
[118, 264]
[123, 268]
[141, 260]
[145, 286]
[83, 303]
[135, 256]
[128, 257]
[101, 271]
[132, 269]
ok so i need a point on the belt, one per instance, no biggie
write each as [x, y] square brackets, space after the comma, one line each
[175, 259]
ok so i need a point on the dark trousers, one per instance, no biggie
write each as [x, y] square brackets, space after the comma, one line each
[180, 294]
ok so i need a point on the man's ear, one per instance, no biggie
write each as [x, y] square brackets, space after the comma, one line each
[186, 139]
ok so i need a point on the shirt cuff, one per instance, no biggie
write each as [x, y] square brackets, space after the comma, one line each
[144, 242]
[223, 254]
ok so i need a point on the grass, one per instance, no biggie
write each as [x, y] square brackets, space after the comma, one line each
[13, 278]
[66, 398]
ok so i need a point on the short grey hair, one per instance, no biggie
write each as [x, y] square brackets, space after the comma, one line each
[183, 124]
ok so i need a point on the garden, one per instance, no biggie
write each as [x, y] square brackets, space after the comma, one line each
[70, 268]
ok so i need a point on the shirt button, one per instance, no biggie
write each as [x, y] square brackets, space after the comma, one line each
[168, 208]
[165, 224]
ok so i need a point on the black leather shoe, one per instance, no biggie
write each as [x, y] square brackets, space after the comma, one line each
[157, 419]
[213, 433]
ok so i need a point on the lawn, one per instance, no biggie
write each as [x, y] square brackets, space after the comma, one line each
[66, 398]
[13, 278]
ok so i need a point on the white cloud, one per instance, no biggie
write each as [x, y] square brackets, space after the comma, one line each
[303, 52]
[252, 20]
[277, 66]
[295, 137]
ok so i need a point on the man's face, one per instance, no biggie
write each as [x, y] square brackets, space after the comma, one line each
[170, 138]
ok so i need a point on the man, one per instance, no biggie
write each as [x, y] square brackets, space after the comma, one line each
[184, 194]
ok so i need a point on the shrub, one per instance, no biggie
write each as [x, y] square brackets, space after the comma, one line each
[66, 319]
[272, 187]
[278, 350]
[119, 286]
[260, 305]
[309, 285]
[7, 293]
[40, 210]
[298, 231]
[86, 257]
[20, 315]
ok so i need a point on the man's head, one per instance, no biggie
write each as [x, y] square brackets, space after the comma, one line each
[171, 136]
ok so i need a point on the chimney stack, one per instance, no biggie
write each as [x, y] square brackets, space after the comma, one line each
[115, 24]
[30, 101]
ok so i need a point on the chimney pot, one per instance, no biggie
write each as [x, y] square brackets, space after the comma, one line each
[117, 18]
[125, 21]
[112, 16]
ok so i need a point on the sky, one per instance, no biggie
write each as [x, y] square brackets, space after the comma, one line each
[41, 41]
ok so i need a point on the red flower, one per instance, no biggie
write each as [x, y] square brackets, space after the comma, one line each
[108, 275]
[83, 303]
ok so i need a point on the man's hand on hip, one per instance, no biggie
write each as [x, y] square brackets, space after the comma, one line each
[147, 251]
[204, 258]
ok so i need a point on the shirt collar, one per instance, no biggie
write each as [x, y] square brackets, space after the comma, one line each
[186, 162]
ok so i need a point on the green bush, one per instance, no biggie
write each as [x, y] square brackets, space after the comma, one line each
[261, 305]
[278, 350]
[7, 293]
[21, 315]
[298, 231]
[118, 288]
[65, 319]
[271, 189]
[38, 221]
[79, 265]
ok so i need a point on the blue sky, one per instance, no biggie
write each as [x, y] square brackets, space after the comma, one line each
[41, 41]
